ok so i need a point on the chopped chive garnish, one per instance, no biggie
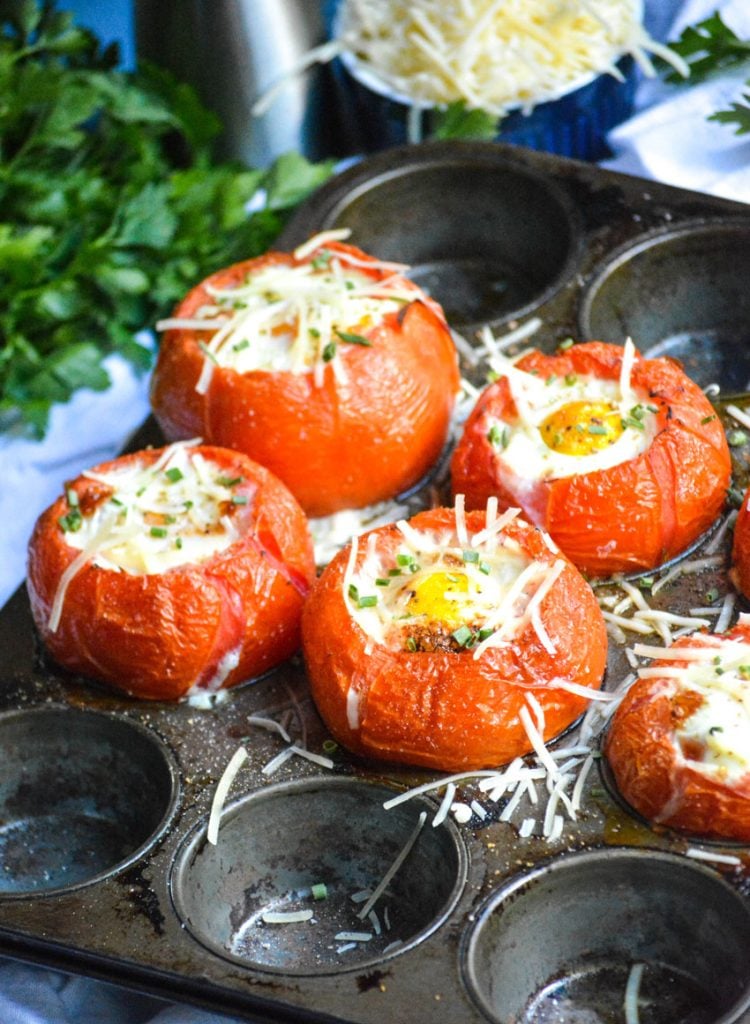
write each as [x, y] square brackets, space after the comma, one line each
[322, 260]
[173, 474]
[411, 643]
[158, 531]
[551, 379]
[178, 543]
[330, 746]
[239, 499]
[485, 632]
[367, 601]
[188, 505]
[708, 419]
[382, 583]
[646, 582]
[565, 344]
[596, 428]
[207, 352]
[328, 352]
[319, 891]
[72, 497]
[463, 636]
[631, 421]
[394, 572]
[498, 436]
[353, 592]
[652, 408]
[240, 346]
[72, 522]
[744, 671]
[715, 729]
[570, 378]
[470, 556]
[736, 438]
[408, 562]
[354, 339]
[485, 568]
[229, 481]
[712, 595]
[115, 501]
[313, 332]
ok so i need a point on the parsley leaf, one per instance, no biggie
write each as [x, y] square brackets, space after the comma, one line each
[457, 121]
[708, 47]
[112, 206]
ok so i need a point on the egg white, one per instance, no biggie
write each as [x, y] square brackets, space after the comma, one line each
[520, 443]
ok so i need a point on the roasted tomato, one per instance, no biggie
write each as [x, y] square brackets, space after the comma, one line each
[170, 571]
[327, 366]
[621, 459]
[740, 571]
[447, 641]
[679, 743]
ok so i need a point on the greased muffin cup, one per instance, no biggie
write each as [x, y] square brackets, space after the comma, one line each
[498, 903]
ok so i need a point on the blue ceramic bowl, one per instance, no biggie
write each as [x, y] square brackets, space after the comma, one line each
[575, 125]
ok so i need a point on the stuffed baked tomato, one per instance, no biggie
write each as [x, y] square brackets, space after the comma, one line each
[171, 571]
[621, 459]
[679, 743]
[306, 362]
[430, 641]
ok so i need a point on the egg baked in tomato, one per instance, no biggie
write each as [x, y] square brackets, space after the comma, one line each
[429, 641]
[679, 743]
[171, 571]
[305, 362]
[622, 459]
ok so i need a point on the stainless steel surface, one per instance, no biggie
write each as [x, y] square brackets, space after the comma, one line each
[231, 51]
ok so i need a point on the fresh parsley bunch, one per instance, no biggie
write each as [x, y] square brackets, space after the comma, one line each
[111, 206]
[711, 47]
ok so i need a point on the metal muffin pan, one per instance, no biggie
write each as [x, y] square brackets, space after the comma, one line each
[104, 800]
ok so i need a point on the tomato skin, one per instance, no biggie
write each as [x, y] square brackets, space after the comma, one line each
[395, 400]
[447, 710]
[157, 636]
[630, 517]
[656, 778]
[740, 571]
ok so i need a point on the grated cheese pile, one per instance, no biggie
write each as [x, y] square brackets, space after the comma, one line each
[296, 318]
[170, 512]
[491, 54]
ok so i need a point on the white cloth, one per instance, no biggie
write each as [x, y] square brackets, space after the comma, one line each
[668, 140]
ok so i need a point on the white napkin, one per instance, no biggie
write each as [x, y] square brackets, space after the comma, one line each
[91, 428]
[671, 140]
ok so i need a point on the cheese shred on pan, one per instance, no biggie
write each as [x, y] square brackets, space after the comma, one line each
[492, 54]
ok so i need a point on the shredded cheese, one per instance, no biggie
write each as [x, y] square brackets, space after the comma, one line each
[492, 54]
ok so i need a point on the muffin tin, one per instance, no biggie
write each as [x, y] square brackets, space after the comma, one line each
[105, 867]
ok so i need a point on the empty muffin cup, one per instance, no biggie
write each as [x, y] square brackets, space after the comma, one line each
[81, 795]
[292, 884]
[484, 235]
[681, 293]
[612, 935]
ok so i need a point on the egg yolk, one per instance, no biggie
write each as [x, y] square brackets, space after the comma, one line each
[581, 428]
[429, 597]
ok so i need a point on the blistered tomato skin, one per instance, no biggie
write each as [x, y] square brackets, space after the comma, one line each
[632, 516]
[740, 571]
[442, 709]
[658, 778]
[158, 636]
[393, 400]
